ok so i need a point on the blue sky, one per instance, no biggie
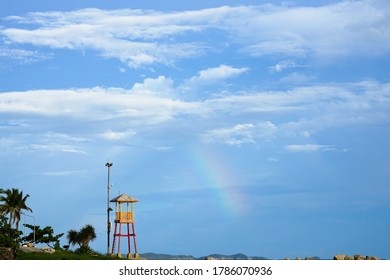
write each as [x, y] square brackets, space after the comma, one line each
[259, 127]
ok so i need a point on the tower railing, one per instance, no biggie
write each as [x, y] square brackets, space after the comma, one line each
[124, 217]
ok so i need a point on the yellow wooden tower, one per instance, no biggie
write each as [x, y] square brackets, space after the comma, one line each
[124, 217]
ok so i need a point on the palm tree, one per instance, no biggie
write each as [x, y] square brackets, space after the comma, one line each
[87, 234]
[73, 237]
[13, 204]
[82, 237]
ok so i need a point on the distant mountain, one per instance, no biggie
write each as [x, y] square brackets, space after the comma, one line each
[259, 258]
[154, 256]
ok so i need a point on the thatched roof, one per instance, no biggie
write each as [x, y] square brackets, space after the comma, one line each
[124, 198]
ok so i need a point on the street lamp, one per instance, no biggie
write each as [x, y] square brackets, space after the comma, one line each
[108, 164]
[24, 214]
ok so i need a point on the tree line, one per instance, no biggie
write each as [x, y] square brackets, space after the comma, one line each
[12, 204]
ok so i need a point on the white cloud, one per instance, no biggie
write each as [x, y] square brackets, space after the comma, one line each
[23, 56]
[282, 65]
[118, 135]
[128, 35]
[344, 28]
[235, 136]
[305, 134]
[163, 148]
[160, 86]
[15, 123]
[309, 148]
[95, 104]
[56, 147]
[297, 78]
[219, 73]
[64, 173]
[338, 104]
[138, 37]
[117, 113]
[239, 134]
[62, 137]
[211, 76]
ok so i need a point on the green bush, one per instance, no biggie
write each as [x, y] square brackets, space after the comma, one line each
[9, 237]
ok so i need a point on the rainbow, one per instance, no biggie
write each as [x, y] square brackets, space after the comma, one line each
[212, 170]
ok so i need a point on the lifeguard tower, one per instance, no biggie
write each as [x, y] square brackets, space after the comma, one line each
[124, 217]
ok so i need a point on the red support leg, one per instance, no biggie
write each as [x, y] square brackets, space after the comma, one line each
[135, 243]
[119, 240]
[128, 238]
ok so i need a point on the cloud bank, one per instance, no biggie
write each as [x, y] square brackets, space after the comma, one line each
[143, 37]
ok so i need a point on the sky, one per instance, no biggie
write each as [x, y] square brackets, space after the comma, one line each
[254, 127]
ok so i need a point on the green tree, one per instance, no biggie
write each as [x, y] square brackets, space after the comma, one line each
[45, 235]
[9, 237]
[82, 237]
[13, 202]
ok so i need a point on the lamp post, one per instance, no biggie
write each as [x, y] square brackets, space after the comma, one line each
[24, 214]
[108, 164]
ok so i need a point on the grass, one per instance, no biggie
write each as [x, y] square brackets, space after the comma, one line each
[61, 255]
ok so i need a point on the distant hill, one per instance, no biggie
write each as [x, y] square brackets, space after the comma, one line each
[154, 256]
